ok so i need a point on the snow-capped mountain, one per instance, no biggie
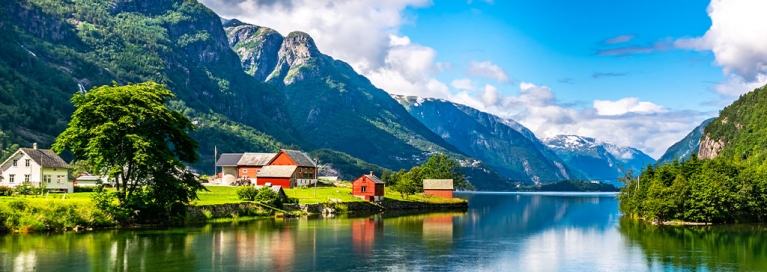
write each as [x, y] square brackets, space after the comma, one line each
[596, 159]
[510, 148]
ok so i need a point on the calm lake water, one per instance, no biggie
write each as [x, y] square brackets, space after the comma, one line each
[500, 232]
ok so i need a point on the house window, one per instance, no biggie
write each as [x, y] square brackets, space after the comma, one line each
[244, 170]
[364, 189]
[15, 162]
[47, 178]
[26, 163]
[58, 179]
[26, 178]
[11, 178]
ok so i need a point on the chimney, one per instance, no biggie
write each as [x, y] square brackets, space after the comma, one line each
[34, 146]
[371, 173]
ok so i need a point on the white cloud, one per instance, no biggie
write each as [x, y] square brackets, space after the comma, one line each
[490, 95]
[463, 84]
[737, 37]
[628, 121]
[626, 105]
[487, 69]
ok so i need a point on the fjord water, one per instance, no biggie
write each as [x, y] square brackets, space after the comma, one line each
[499, 232]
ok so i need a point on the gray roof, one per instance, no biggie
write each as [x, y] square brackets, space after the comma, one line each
[277, 171]
[438, 184]
[89, 178]
[45, 158]
[374, 179]
[228, 159]
[256, 159]
[301, 158]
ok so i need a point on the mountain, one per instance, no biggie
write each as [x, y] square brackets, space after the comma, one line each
[740, 130]
[330, 104]
[487, 137]
[684, 148]
[52, 49]
[596, 159]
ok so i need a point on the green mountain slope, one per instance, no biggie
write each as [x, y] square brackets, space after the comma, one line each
[488, 138]
[330, 104]
[740, 131]
[686, 146]
[55, 48]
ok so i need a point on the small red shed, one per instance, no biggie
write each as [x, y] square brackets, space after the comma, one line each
[368, 187]
[438, 187]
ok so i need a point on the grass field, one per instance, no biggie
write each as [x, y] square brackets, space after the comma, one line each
[228, 194]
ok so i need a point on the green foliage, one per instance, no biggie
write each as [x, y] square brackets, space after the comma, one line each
[81, 189]
[129, 133]
[719, 190]
[6, 191]
[349, 167]
[26, 216]
[439, 166]
[267, 196]
[247, 193]
[25, 188]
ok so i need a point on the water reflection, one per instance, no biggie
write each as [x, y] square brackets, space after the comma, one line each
[499, 232]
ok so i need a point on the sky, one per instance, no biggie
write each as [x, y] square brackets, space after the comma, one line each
[633, 73]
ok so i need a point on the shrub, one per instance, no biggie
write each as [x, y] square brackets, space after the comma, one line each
[79, 189]
[267, 196]
[6, 191]
[25, 188]
[247, 193]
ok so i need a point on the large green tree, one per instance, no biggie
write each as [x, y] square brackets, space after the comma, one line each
[129, 133]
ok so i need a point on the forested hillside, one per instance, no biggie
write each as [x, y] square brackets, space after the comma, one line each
[53, 49]
[728, 185]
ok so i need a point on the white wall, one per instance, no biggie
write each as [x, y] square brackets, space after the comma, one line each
[33, 170]
[228, 174]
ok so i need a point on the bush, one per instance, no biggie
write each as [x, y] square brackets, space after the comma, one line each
[6, 191]
[24, 216]
[79, 189]
[267, 196]
[247, 193]
[25, 188]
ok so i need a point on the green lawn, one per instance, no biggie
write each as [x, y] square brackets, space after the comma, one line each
[228, 194]
[59, 197]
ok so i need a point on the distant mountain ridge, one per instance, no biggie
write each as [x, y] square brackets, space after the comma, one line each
[487, 137]
[596, 159]
[685, 147]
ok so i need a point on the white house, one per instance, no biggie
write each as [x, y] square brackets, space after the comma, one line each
[35, 166]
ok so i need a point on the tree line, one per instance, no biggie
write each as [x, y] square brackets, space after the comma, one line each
[720, 190]
[438, 166]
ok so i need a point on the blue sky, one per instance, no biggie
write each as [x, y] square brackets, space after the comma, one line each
[635, 73]
[559, 47]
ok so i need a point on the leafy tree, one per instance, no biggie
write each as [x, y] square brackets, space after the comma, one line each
[441, 166]
[25, 188]
[407, 187]
[129, 134]
[247, 193]
[267, 196]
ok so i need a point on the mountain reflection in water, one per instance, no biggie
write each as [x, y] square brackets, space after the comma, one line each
[499, 232]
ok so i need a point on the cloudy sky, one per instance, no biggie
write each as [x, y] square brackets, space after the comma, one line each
[638, 73]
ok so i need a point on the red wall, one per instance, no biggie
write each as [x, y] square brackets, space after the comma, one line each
[282, 159]
[252, 171]
[439, 193]
[284, 182]
[373, 189]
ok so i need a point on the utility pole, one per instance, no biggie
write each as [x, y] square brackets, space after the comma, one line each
[316, 178]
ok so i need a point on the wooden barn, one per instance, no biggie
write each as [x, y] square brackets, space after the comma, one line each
[278, 175]
[368, 187]
[306, 169]
[438, 187]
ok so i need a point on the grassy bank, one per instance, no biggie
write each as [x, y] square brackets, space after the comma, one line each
[39, 214]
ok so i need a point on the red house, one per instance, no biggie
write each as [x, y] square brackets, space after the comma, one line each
[289, 169]
[368, 187]
[438, 187]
